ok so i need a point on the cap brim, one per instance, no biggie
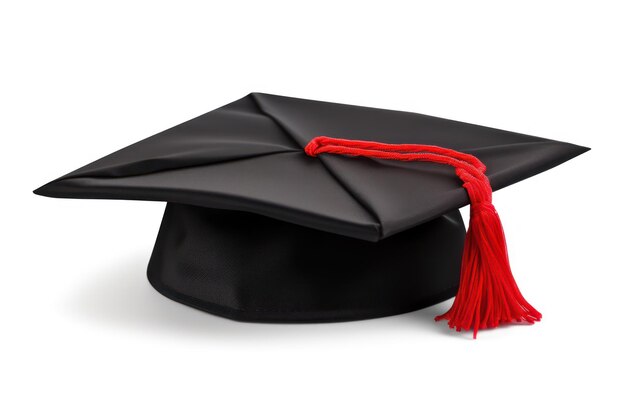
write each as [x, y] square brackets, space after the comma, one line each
[249, 156]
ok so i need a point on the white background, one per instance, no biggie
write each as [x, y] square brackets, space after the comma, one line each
[83, 333]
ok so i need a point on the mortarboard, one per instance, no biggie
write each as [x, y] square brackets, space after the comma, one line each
[272, 217]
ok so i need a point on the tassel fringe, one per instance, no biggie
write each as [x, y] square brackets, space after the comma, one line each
[488, 295]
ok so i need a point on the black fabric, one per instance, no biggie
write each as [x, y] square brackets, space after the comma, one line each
[257, 230]
[249, 156]
[249, 267]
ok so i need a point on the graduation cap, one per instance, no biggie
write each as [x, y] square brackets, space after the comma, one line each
[273, 217]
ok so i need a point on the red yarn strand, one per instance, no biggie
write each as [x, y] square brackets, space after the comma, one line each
[488, 294]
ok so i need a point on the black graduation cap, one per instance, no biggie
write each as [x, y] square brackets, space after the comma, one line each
[258, 229]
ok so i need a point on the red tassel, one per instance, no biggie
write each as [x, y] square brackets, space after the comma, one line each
[488, 295]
